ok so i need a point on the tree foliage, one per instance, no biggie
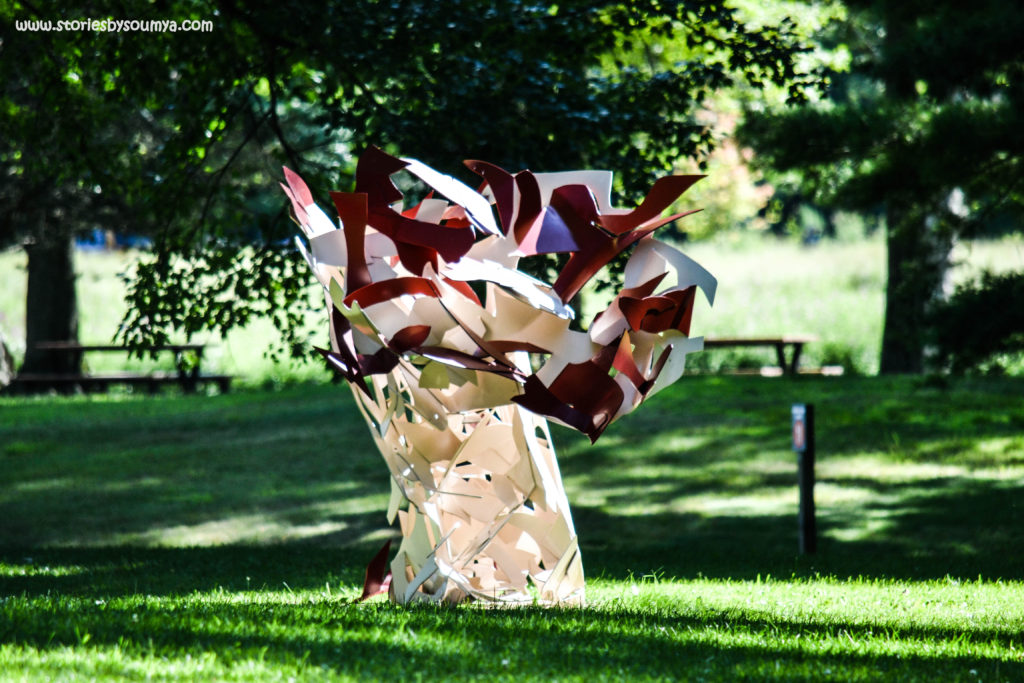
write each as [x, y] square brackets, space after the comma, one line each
[182, 135]
[982, 322]
[925, 126]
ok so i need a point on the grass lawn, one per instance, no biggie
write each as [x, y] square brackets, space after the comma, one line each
[223, 537]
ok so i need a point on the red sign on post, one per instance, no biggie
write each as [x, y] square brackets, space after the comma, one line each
[799, 427]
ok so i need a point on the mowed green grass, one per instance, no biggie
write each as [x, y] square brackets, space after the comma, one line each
[224, 537]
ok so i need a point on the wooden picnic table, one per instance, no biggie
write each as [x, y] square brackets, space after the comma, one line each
[788, 366]
[187, 362]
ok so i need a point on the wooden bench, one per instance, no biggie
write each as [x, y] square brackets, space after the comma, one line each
[790, 366]
[186, 375]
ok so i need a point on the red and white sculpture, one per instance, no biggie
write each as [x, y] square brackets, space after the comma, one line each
[457, 359]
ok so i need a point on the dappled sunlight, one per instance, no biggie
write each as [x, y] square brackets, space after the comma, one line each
[133, 485]
[883, 471]
[866, 526]
[39, 486]
[255, 528]
[708, 485]
[770, 502]
[704, 482]
[319, 521]
[1009, 450]
[184, 471]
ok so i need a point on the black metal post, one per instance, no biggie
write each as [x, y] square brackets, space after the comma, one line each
[803, 444]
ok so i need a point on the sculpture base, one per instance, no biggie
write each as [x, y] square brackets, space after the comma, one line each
[480, 504]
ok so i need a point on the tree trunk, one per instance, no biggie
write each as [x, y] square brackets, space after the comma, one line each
[918, 257]
[51, 310]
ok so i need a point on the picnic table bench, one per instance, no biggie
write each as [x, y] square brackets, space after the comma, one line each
[788, 366]
[186, 375]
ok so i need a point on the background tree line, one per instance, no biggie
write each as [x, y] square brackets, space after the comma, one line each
[180, 136]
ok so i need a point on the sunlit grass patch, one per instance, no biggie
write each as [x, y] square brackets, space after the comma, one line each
[638, 628]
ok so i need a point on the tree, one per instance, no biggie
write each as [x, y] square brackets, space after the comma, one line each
[516, 83]
[102, 128]
[43, 203]
[981, 325]
[926, 124]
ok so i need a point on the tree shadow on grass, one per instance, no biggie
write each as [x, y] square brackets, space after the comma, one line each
[964, 528]
[125, 571]
[300, 460]
[923, 534]
[255, 467]
[854, 415]
[704, 482]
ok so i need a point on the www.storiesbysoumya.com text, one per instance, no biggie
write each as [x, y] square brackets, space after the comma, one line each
[115, 25]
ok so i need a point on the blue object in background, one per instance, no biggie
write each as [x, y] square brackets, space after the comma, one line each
[97, 240]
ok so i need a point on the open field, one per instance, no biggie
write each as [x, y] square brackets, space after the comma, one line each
[221, 538]
[833, 290]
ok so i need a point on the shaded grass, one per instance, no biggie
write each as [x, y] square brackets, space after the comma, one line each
[702, 466]
[233, 468]
[221, 538]
[914, 482]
